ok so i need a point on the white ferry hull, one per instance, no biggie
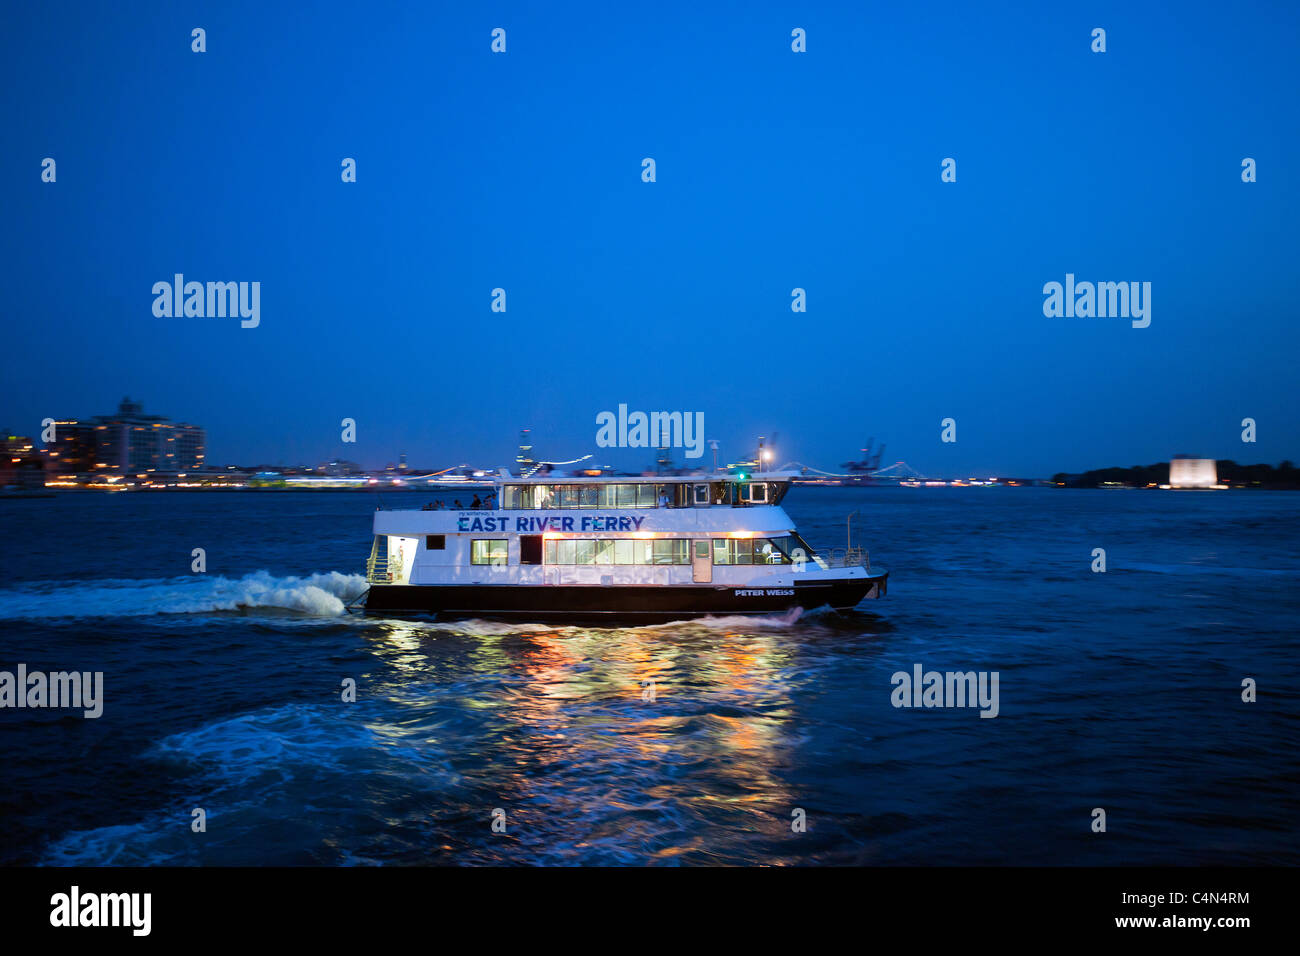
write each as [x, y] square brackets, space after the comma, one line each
[613, 549]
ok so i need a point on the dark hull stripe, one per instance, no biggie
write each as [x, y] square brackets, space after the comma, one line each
[641, 603]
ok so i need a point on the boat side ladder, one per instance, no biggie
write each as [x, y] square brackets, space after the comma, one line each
[380, 568]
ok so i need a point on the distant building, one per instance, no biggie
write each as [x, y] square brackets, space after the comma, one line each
[1187, 472]
[340, 466]
[74, 449]
[15, 446]
[21, 465]
[132, 442]
[127, 443]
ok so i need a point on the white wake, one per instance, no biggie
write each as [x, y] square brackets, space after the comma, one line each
[321, 595]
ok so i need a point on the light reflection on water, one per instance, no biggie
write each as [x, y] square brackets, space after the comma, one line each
[223, 691]
[587, 766]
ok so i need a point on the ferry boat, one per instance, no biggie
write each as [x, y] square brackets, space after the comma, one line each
[611, 549]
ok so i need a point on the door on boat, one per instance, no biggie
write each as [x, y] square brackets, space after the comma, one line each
[702, 562]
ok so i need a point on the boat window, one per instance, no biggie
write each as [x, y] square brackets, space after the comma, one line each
[625, 551]
[789, 548]
[435, 542]
[797, 542]
[754, 492]
[530, 549]
[493, 551]
[524, 497]
[741, 551]
[606, 495]
[670, 551]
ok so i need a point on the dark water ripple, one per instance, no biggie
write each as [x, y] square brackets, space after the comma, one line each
[1117, 690]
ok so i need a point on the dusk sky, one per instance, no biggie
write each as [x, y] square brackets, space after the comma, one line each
[775, 170]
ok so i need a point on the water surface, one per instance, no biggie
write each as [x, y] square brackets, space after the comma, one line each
[222, 691]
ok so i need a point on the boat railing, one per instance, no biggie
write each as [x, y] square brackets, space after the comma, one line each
[846, 558]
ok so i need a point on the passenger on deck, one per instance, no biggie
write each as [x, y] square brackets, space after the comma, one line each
[476, 504]
[663, 499]
[459, 506]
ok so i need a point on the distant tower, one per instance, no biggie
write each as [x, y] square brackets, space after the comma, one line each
[401, 462]
[664, 463]
[525, 457]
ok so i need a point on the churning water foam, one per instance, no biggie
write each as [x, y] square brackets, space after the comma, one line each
[317, 594]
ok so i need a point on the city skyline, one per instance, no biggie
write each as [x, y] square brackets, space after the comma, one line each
[781, 177]
[629, 460]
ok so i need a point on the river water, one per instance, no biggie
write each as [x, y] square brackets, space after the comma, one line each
[1119, 690]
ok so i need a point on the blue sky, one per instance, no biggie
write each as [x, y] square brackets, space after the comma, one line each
[775, 170]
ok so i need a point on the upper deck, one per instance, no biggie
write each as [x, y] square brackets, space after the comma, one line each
[677, 491]
[590, 505]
